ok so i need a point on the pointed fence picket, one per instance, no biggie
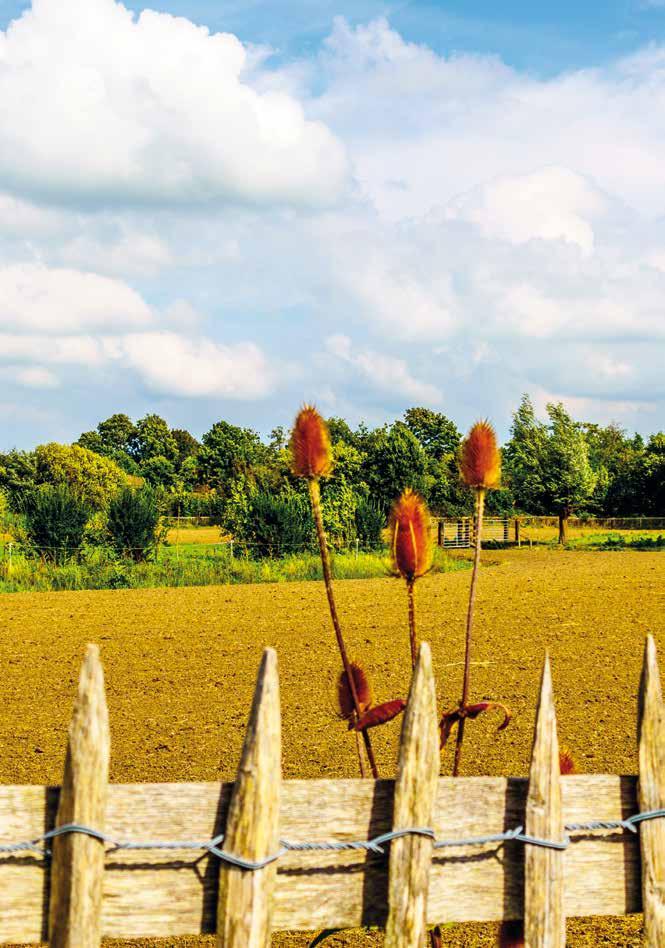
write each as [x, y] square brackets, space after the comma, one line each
[92, 888]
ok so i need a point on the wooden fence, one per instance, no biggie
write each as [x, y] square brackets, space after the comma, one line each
[89, 889]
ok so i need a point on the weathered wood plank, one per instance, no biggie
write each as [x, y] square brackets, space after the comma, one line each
[544, 917]
[652, 797]
[77, 870]
[245, 903]
[415, 789]
[172, 893]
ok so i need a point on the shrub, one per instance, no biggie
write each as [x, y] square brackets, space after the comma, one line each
[277, 524]
[133, 523]
[55, 522]
[370, 522]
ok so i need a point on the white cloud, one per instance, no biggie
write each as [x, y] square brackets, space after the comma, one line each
[175, 365]
[384, 372]
[34, 376]
[59, 300]
[551, 204]
[97, 106]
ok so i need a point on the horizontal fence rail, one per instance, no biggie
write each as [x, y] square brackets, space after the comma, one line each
[92, 859]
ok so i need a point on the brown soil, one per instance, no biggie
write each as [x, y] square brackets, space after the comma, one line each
[180, 667]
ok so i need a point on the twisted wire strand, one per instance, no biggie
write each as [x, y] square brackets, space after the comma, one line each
[375, 845]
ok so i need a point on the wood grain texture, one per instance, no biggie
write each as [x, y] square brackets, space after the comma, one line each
[245, 903]
[652, 797]
[77, 869]
[415, 790]
[544, 916]
[165, 893]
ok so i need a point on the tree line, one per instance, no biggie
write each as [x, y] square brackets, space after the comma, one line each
[555, 465]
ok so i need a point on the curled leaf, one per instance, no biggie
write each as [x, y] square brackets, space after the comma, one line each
[471, 711]
[379, 715]
[363, 691]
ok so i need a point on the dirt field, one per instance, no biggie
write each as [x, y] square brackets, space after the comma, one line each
[180, 667]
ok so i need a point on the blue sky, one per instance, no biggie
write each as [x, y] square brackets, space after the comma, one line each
[370, 205]
[543, 37]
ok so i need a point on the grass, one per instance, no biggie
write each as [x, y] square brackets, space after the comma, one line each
[195, 565]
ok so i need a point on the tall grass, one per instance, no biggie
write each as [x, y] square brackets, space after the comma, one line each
[98, 569]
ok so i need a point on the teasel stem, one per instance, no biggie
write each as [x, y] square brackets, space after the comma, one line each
[359, 749]
[412, 621]
[315, 498]
[480, 507]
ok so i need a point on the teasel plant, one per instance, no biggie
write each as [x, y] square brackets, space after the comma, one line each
[480, 469]
[411, 547]
[311, 455]
[371, 715]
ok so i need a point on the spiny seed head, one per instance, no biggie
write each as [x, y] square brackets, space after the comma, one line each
[310, 445]
[363, 690]
[410, 536]
[480, 463]
[567, 763]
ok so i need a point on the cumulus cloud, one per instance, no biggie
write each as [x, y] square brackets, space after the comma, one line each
[97, 106]
[43, 298]
[172, 364]
[383, 372]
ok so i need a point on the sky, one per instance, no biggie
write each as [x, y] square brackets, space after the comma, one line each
[214, 209]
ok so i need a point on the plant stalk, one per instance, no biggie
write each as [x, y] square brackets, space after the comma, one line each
[412, 621]
[480, 507]
[315, 498]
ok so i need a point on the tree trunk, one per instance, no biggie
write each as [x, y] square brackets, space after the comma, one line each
[563, 526]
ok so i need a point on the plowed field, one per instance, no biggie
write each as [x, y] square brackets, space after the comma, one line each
[180, 667]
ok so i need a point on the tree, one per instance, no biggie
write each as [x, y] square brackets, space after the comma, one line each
[395, 460]
[438, 435]
[569, 478]
[134, 523]
[18, 473]
[186, 445]
[227, 452]
[55, 521]
[152, 438]
[89, 476]
[547, 465]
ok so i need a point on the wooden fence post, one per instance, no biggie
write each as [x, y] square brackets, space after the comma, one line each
[652, 797]
[544, 918]
[415, 789]
[245, 901]
[77, 869]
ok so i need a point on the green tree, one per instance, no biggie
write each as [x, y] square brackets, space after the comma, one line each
[186, 444]
[569, 478]
[55, 521]
[227, 452]
[438, 435]
[134, 523]
[89, 476]
[18, 474]
[547, 465]
[152, 438]
[395, 460]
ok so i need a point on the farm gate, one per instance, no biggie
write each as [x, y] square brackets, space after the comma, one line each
[258, 855]
[455, 533]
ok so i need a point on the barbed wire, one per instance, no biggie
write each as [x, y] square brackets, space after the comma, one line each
[375, 845]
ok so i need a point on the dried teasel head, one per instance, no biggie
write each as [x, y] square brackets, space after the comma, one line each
[480, 462]
[363, 691]
[410, 536]
[567, 764]
[311, 452]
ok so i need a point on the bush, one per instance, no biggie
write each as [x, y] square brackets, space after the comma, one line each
[277, 524]
[370, 522]
[55, 522]
[133, 523]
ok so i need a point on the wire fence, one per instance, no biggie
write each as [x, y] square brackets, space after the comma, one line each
[375, 845]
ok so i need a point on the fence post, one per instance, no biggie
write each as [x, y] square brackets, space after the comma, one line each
[544, 919]
[245, 900]
[652, 797]
[415, 789]
[77, 870]
[517, 531]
